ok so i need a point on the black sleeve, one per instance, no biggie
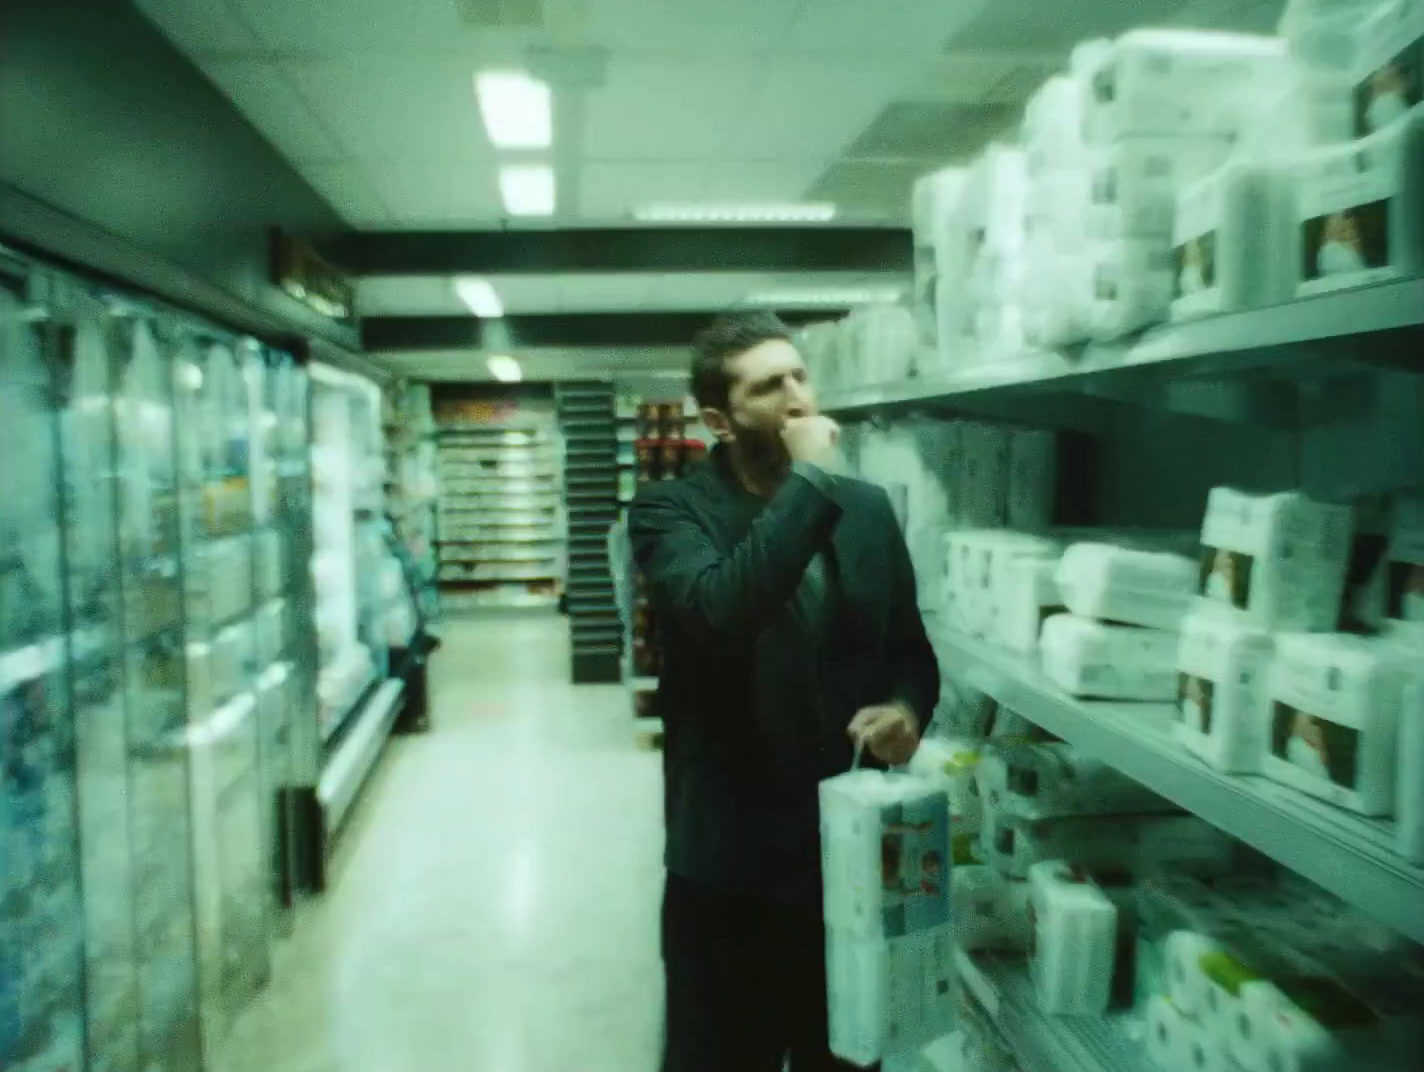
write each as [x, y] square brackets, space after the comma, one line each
[717, 594]
[914, 669]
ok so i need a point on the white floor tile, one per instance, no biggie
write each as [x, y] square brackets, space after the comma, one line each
[494, 903]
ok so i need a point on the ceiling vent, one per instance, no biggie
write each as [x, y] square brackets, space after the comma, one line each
[502, 14]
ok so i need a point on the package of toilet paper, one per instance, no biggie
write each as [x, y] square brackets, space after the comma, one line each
[1223, 665]
[1134, 184]
[888, 995]
[1136, 844]
[1166, 904]
[1357, 218]
[992, 203]
[1334, 718]
[1389, 67]
[951, 762]
[1122, 585]
[1073, 940]
[1409, 777]
[885, 852]
[1052, 133]
[1178, 83]
[934, 201]
[1032, 479]
[1311, 1023]
[1093, 659]
[1132, 286]
[1049, 779]
[1056, 208]
[1028, 595]
[1231, 241]
[989, 911]
[1394, 595]
[1165, 1031]
[984, 474]
[1280, 559]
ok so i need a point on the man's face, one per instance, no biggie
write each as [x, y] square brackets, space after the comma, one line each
[768, 386]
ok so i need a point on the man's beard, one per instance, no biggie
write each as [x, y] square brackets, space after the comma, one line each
[761, 451]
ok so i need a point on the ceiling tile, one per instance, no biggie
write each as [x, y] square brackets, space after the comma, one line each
[1055, 28]
[760, 180]
[811, 107]
[610, 190]
[264, 94]
[348, 188]
[529, 293]
[877, 189]
[397, 106]
[933, 131]
[201, 28]
[663, 109]
[343, 28]
[407, 295]
[892, 29]
[432, 193]
[986, 77]
[734, 28]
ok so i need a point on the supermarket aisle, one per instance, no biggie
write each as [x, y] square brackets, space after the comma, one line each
[494, 905]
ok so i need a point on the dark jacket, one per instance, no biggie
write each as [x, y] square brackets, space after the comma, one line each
[754, 704]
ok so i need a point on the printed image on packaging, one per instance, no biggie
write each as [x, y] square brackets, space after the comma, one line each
[1388, 93]
[1316, 745]
[1194, 698]
[1406, 592]
[1226, 576]
[1194, 264]
[1351, 240]
[914, 866]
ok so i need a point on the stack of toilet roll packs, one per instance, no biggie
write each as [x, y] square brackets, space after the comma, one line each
[1125, 586]
[934, 201]
[1099, 660]
[952, 763]
[1222, 690]
[1280, 559]
[887, 862]
[1073, 940]
[1334, 718]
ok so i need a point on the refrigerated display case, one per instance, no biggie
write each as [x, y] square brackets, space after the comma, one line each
[156, 651]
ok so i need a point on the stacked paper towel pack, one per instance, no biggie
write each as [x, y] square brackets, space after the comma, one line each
[887, 861]
[876, 344]
[1266, 976]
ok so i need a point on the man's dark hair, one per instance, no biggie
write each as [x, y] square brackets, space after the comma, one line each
[720, 341]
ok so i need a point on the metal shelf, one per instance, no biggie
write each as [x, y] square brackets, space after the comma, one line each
[1351, 856]
[1044, 1043]
[1258, 340]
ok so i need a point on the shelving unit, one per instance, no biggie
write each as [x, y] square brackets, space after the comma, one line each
[1351, 856]
[501, 534]
[412, 482]
[586, 417]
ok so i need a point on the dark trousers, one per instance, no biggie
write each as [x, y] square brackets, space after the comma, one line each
[746, 983]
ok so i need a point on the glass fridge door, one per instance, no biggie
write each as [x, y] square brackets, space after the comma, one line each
[79, 340]
[216, 418]
[154, 667]
[41, 929]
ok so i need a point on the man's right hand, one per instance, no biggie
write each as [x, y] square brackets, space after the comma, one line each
[810, 439]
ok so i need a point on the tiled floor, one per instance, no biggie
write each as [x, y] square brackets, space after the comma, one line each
[494, 902]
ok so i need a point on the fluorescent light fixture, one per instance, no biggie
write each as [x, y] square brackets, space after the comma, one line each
[505, 369]
[517, 110]
[836, 296]
[791, 212]
[527, 189]
[479, 297]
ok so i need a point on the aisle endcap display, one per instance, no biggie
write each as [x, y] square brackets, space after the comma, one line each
[1356, 858]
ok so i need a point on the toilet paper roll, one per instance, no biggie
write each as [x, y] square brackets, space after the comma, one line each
[1165, 1027]
[1187, 982]
[1199, 1049]
[1338, 1032]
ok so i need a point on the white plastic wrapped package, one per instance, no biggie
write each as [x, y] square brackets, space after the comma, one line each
[1394, 596]
[888, 996]
[951, 763]
[885, 853]
[992, 203]
[1280, 559]
[1119, 584]
[1135, 844]
[1074, 941]
[1051, 779]
[1028, 595]
[933, 203]
[1358, 219]
[1232, 244]
[990, 912]
[1135, 183]
[1179, 82]
[1222, 690]
[1388, 64]
[1059, 293]
[1089, 658]
[1056, 208]
[1052, 133]
[1335, 703]
[1132, 282]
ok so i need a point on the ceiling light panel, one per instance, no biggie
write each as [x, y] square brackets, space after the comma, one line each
[517, 110]
[527, 189]
[793, 298]
[479, 297]
[505, 368]
[791, 212]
